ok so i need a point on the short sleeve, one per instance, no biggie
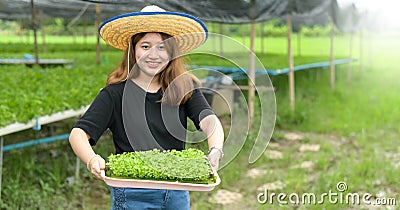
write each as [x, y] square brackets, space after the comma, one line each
[97, 118]
[198, 108]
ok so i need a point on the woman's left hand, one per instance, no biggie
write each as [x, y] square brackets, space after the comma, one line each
[214, 157]
[95, 165]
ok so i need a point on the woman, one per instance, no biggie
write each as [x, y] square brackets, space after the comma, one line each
[148, 99]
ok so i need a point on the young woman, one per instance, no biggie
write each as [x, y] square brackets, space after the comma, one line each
[148, 99]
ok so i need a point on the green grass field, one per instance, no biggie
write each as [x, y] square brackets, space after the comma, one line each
[348, 135]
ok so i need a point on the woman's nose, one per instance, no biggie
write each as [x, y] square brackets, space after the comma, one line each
[153, 53]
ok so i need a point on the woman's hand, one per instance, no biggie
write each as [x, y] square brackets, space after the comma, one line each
[79, 141]
[212, 127]
[214, 156]
[95, 165]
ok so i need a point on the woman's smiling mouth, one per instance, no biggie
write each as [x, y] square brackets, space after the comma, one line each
[153, 64]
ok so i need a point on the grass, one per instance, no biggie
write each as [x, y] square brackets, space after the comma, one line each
[356, 127]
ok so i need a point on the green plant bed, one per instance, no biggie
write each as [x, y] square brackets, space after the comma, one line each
[51, 47]
[28, 93]
[189, 166]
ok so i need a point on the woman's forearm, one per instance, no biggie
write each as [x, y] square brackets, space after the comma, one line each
[212, 127]
[79, 141]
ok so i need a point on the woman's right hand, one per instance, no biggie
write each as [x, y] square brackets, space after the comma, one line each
[95, 165]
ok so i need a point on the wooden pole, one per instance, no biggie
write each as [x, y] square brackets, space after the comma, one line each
[34, 33]
[221, 48]
[73, 34]
[44, 48]
[332, 57]
[291, 63]
[214, 41]
[252, 78]
[98, 10]
[244, 35]
[84, 32]
[299, 42]
[21, 31]
[349, 65]
[262, 38]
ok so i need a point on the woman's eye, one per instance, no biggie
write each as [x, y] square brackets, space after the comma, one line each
[145, 47]
[161, 47]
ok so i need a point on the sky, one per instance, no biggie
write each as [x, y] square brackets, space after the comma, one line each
[385, 12]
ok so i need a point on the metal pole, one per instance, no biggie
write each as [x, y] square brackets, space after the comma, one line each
[77, 168]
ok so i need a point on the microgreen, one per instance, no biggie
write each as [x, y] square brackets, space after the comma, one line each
[188, 165]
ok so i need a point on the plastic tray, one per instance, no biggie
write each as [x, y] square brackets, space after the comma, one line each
[138, 183]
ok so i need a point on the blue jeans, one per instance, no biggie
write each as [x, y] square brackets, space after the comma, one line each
[138, 199]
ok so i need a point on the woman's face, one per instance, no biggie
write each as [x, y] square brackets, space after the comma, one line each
[151, 54]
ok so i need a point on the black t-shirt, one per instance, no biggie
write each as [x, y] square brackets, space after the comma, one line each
[133, 114]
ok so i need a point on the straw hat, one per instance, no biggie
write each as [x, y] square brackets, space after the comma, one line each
[188, 31]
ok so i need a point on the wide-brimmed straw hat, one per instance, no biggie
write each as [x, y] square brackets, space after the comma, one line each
[188, 31]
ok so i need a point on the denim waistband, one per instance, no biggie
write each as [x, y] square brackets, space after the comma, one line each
[140, 198]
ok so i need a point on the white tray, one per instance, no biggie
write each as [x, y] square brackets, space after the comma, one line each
[138, 183]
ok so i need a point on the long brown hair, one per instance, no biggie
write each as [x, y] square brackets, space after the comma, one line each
[177, 84]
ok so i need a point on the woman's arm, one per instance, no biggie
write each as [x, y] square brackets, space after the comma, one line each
[212, 127]
[79, 141]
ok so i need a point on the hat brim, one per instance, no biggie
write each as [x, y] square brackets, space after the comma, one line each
[188, 31]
